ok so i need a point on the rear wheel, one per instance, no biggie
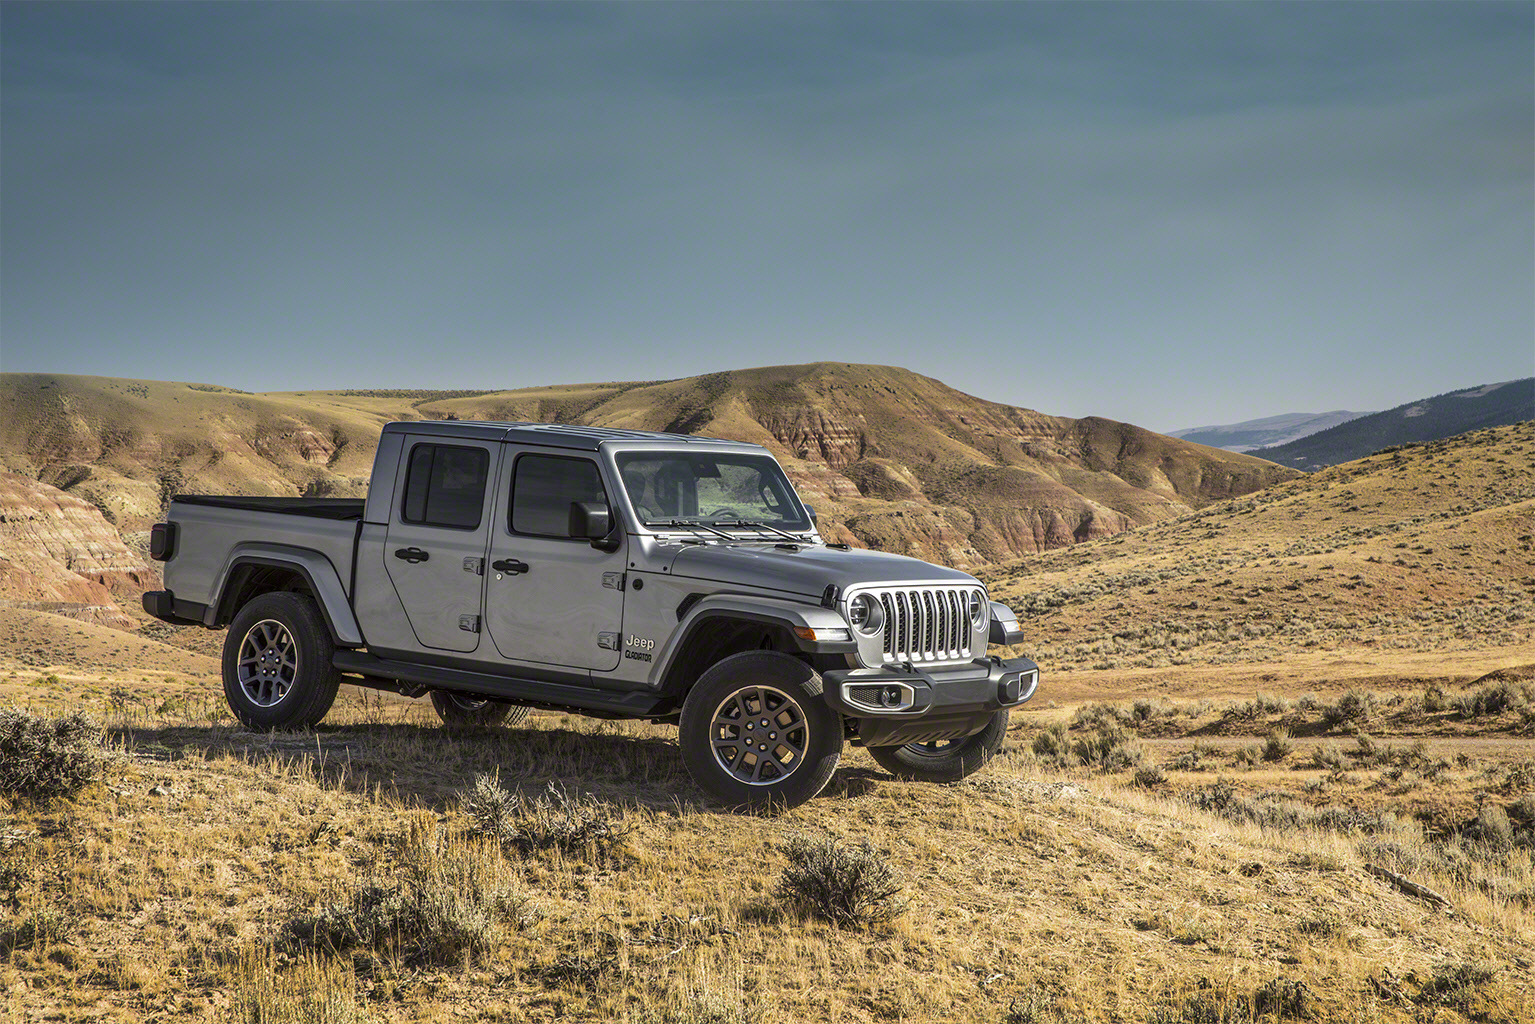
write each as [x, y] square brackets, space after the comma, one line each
[944, 760]
[459, 711]
[277, 663]
[756, 732]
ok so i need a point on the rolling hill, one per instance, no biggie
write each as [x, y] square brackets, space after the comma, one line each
[1423, 553]
[1428, 419]
[890, 458]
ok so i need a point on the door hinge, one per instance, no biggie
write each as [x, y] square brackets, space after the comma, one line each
[613, 580]
[469, 623]
[475, 565]
[607, 641]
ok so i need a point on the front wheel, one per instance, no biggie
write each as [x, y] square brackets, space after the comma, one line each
[277, 663]
[944, 760]
[756, 732]
[458, 711]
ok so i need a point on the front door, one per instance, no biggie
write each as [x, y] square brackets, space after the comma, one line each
[550, 598]
[435, 549]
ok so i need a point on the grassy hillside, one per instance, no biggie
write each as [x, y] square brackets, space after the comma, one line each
[1429, 419]
[892, 459]
[1427, 548]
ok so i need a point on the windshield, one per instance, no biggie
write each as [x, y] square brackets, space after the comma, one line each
[716, 489]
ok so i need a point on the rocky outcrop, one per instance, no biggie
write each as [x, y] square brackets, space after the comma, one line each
[58, 554]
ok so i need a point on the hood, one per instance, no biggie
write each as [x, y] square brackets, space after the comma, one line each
[805, 571]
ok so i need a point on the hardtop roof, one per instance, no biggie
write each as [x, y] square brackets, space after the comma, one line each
[557, 435]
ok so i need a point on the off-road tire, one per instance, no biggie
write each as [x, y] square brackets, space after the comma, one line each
[282, 634]
[948, 761]
[782, 692]
[458, 711]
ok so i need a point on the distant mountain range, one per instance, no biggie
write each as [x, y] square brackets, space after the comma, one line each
[1267, 432]
[1428, 419]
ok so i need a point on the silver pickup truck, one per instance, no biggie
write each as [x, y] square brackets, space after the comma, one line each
[618, 573]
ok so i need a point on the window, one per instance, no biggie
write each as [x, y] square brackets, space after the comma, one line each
[717, 489]
[445, 486]
[543, 486]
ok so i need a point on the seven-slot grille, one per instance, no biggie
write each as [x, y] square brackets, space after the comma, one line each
[925, 624]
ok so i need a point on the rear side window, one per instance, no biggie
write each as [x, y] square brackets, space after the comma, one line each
[445, 486]
[543, 487]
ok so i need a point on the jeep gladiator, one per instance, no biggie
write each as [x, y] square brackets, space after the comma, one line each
[499, 567]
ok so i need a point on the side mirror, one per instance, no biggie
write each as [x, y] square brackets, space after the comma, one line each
[593, 521]
[811, 513]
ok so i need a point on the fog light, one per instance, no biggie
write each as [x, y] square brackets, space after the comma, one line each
[890, 697]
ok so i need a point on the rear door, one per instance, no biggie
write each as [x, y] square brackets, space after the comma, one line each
[438, 530]
[552, 599]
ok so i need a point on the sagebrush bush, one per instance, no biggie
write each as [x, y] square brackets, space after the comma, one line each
[577, 826]
[42, 758]
[1108, 749]
[847, 885]
[1050, 745]
[1149, 777]
[1277, 746]
[441, 902]
[1493, 700]
[1354, 706]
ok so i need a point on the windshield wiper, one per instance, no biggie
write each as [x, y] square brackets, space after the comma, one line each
[763, 526]
[694, 525]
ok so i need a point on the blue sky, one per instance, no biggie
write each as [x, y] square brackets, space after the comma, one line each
[1173, 214]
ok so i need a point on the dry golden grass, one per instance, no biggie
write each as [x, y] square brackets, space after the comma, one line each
[1074, 895]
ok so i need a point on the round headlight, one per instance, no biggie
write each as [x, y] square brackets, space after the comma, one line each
[978, 609]
[866, 614]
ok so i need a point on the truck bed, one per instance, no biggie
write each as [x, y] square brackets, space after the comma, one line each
[321, 508]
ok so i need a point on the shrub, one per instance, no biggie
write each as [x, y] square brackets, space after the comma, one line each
[1491, 829]
[575, 826]
[847, 885]
[1277, 746]
[1354, 706]
[440, 904]
[1149, 777]
[1109, 749]
[1492, 700]
[1188, 761]
[1328, 758]
[1097, 716]
[42, 758]
[1050, 745]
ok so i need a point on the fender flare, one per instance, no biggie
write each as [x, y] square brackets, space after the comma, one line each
[770, 611]
[318, 572]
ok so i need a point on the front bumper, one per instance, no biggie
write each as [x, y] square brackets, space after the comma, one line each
[896, 705]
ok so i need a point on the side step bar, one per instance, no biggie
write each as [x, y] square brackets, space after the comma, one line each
[588, 700]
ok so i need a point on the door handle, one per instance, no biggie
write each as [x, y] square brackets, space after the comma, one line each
[412, 555]
[510, 566]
